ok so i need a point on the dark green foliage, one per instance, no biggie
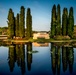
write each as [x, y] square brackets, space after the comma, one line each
[53, 21]
[71, 23]
[28, 24]
[58, 27]
[22, 22]
[17, 25]
[67, 22]
[11, 24]
[64, 21]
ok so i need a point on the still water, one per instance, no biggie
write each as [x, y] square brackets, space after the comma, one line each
[37, 59]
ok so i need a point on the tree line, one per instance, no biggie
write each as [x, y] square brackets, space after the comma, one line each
[64, 27]
[3, 30]
[16, 25]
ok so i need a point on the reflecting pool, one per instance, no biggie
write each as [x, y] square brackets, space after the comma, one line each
[37, 59]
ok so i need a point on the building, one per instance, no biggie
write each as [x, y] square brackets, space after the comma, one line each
[2, 37]
[41, 35]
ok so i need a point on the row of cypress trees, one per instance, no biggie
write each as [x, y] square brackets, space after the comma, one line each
[67, 25]
[16, 25]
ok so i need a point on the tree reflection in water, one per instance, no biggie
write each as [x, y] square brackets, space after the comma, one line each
[55, 56]
[11, 57]
[17, 54]
[29, 56]
[67, 58]
[62, 58]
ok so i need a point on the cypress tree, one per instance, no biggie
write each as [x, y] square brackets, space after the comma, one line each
[64, 21]
[11, 24]
[53, 21]
[58, 21]
[28, 24]
[71, 22]
[17, 26]
[22, 22]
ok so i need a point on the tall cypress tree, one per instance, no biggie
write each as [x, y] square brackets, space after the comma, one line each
[71, 22]
[53, 21]
[22, 22]
[11, 24]
[28, 24]
[58, 20]
[64, 21]
[17, 25]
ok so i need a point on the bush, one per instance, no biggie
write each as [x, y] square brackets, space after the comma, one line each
[59, 37]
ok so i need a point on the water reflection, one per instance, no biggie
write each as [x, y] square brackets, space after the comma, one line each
[29, 56]
[39, 44]
[55, 56]
[67, 58]
[19, 59]
[17, 54]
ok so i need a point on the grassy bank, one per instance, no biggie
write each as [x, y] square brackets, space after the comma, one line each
[65, 43]
[40, 40]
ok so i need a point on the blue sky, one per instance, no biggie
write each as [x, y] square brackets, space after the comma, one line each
[40, 10]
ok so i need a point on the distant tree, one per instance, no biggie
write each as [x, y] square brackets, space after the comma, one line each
[11, 24]
[58, 27]
[28, 24]
[22, 22]
[3, 30]
[71, 22]
[17, 25]
[64, 21]
[53, 21]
